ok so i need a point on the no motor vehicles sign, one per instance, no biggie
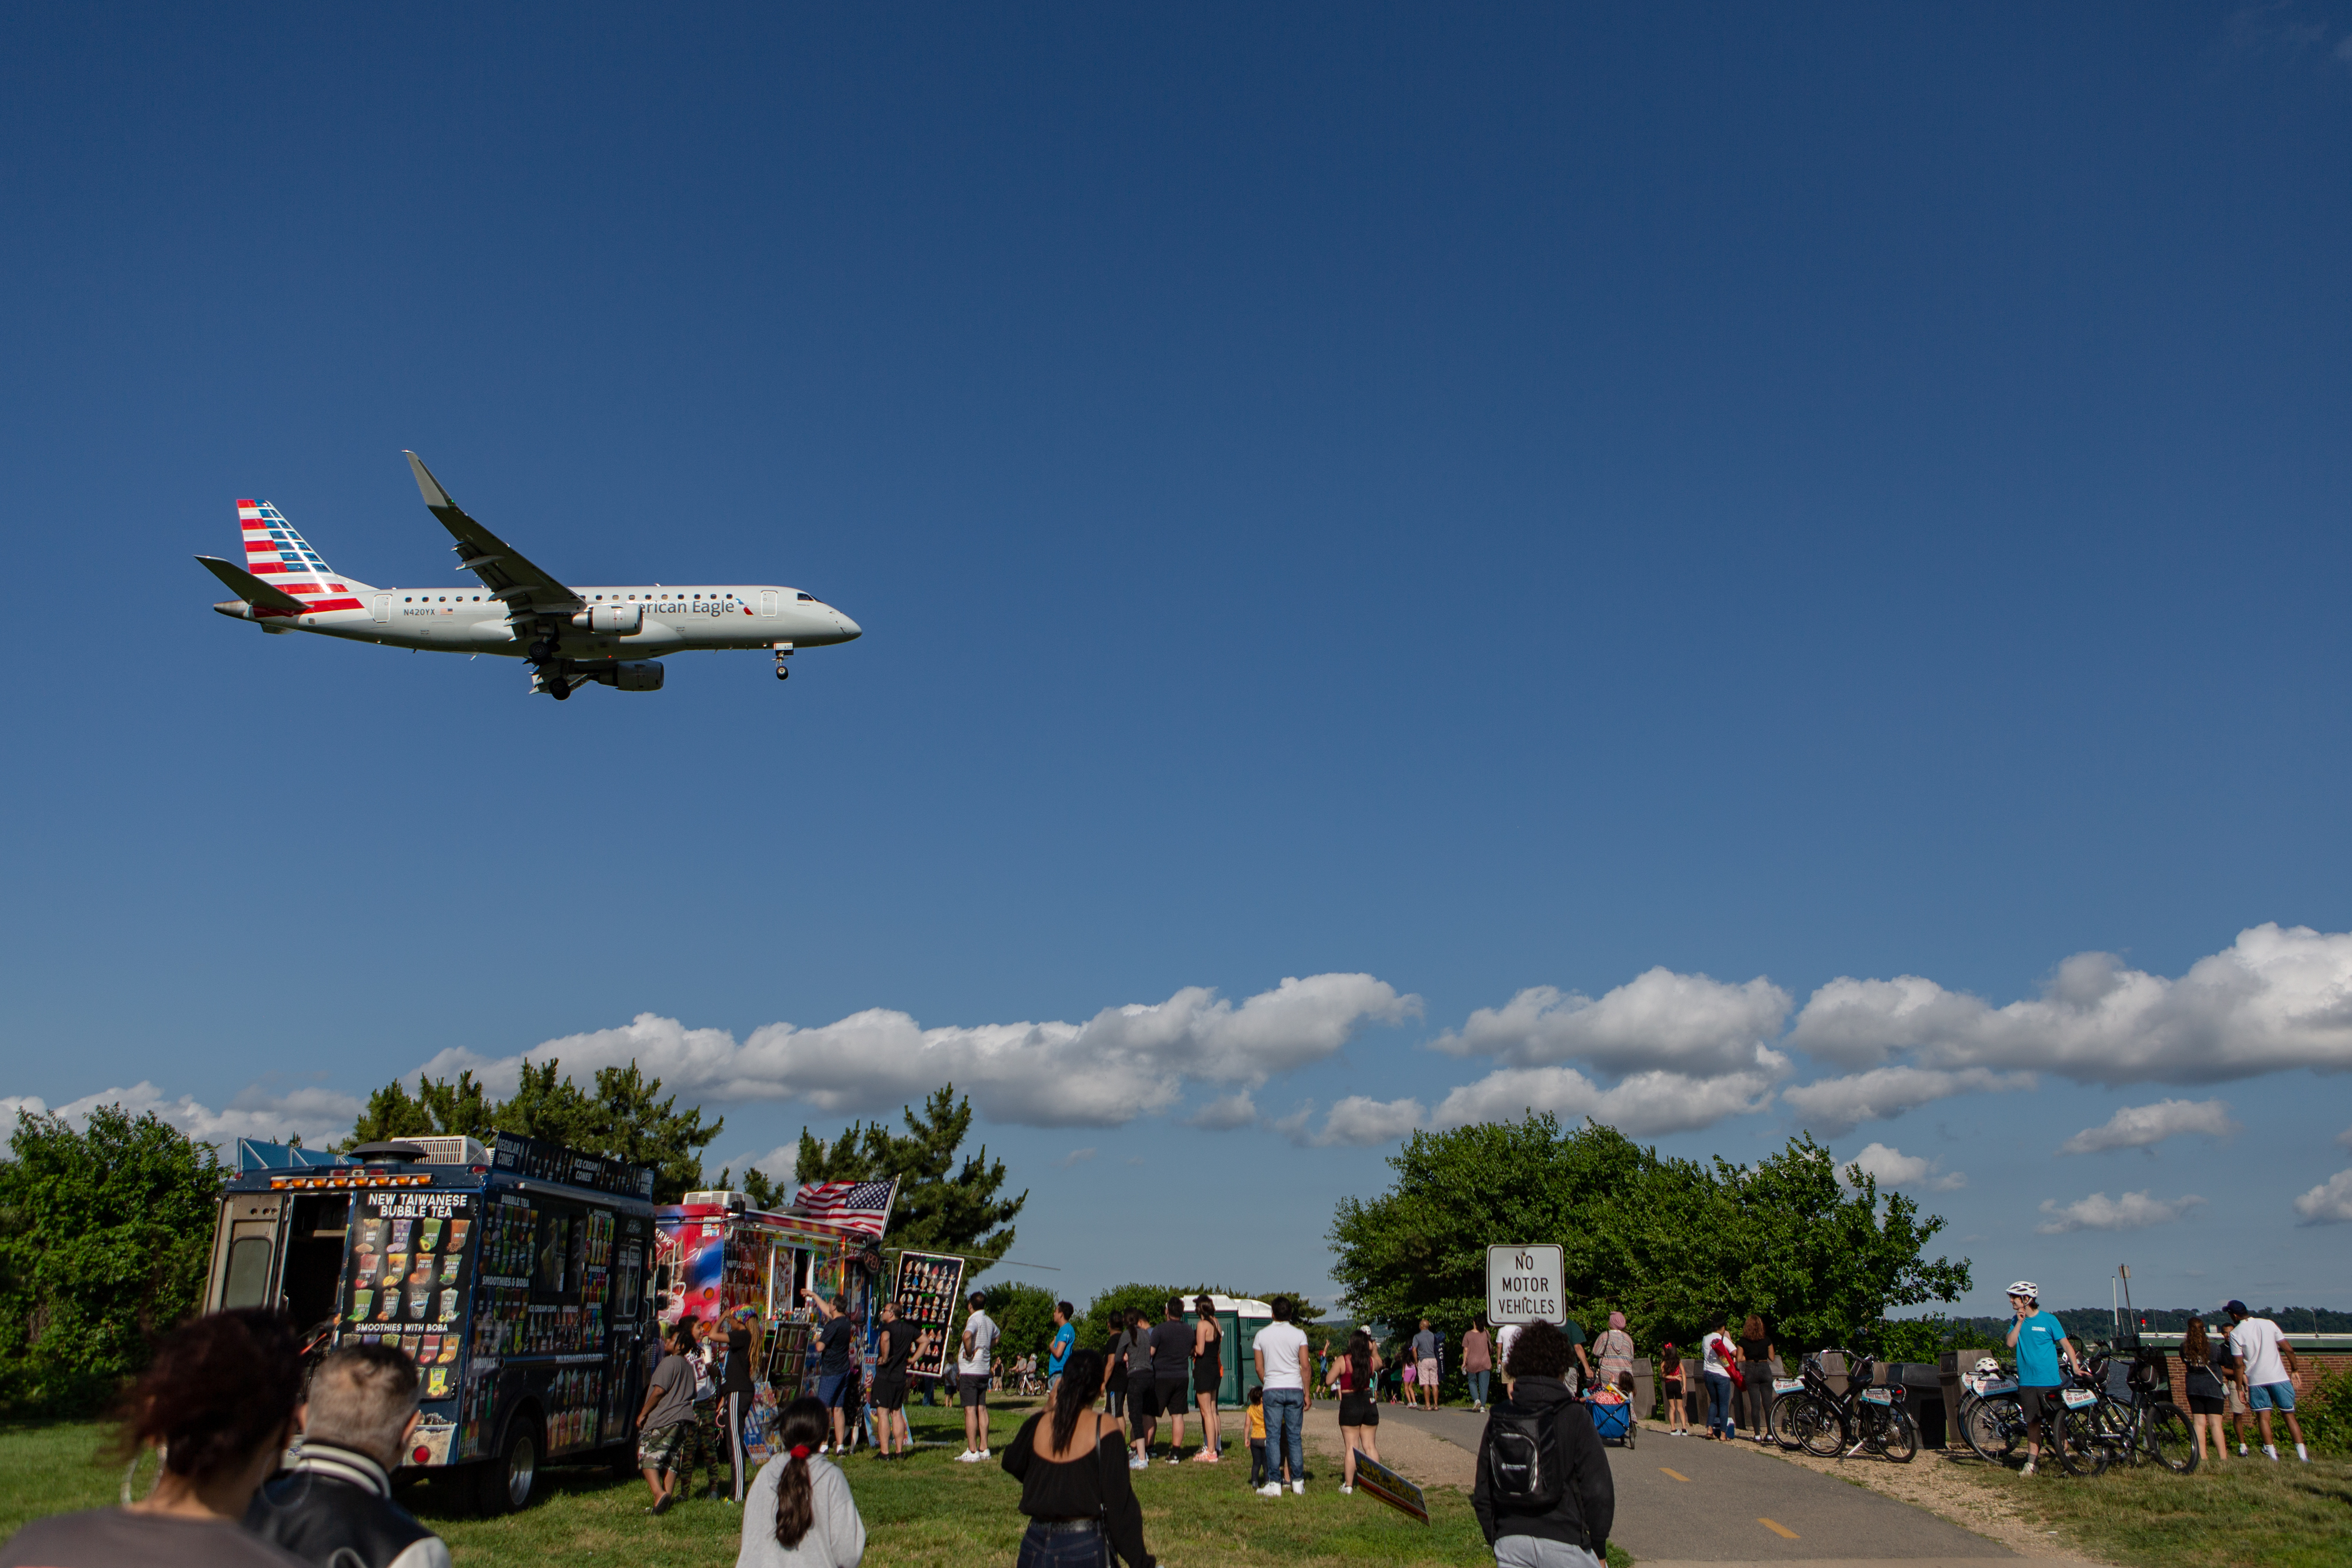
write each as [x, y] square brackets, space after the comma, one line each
[1523, 1284]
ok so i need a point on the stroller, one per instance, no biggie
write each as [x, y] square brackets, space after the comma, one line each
[1612, 1418]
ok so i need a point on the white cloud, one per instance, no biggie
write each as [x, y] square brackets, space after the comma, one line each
[1078, 1157]
[2330, 1203]
[1890, 1167]
[2344, 1138]
[2133, 1211]
[2145, 1126]
[12, 1106]
[1122, 1063]
[1361, 1120]
[1643, 1104]
[1659, 1019]
[1838, 1105]
[1225, 1112]
[318, 1115]
[2278, 998]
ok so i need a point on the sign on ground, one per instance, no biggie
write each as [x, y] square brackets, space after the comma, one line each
[1391, 1489]
[1523, 1284]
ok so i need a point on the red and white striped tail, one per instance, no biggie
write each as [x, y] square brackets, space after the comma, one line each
[282, 558]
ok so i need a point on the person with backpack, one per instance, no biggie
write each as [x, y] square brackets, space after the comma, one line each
[1544, 1495]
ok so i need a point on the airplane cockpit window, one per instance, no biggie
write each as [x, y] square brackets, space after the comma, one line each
[804, 598]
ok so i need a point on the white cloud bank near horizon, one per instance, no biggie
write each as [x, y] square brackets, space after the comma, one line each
[2133, 1211]
[1663, 1053]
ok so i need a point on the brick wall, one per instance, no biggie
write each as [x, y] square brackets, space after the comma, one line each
[2327, 1362]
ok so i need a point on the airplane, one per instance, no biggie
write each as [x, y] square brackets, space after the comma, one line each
[572, 637]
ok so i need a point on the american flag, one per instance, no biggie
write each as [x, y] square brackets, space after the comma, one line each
[861, 1206]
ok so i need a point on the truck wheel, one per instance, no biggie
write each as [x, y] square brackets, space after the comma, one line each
[505, 1483]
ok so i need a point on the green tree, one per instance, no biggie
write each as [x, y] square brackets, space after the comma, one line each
[104, 1235]
[943, 1205]
[755, 1185]
[1023, 1314]
[1675, 1245]
[622, 1116]
[1096, 1327]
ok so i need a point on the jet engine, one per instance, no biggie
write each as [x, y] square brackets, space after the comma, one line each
[614, 620]
[637, 675]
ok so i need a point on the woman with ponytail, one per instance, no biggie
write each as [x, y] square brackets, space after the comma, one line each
[1360, 1413]
[1071, 1463]
[800, 1513]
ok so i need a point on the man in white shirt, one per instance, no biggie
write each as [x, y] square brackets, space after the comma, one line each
[1281, 1356]
[2263, 1356]
[972, 1356]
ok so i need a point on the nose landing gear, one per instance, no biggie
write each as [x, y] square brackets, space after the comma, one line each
[784, 652]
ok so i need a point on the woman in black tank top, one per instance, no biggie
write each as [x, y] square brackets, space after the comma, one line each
[1208, 1376]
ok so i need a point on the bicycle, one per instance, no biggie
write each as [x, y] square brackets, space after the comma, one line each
[2113, 1416]
[1868, 1416]
[1990, 1420]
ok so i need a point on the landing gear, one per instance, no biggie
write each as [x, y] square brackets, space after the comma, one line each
[784, 672]
[560, 689]
[784, 652]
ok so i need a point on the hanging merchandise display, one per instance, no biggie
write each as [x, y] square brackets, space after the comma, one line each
[929, 1292]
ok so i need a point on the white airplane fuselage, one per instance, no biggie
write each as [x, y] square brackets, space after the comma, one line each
[643, 622]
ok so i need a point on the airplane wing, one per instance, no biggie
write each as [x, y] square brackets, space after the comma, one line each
[265, 599]
[525, 589]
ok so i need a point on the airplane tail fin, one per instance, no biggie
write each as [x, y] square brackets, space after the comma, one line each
[281, 557]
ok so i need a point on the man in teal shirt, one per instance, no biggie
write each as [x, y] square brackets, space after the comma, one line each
[2040, 1341]
[1065, 1336]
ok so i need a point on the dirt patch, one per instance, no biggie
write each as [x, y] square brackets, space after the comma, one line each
[1939, 1482]
[1416, 1455]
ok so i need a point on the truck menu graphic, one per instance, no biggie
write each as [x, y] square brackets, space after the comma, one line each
[410, 1273]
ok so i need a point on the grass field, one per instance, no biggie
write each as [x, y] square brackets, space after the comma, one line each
[2239, 1513]
[928, 1511]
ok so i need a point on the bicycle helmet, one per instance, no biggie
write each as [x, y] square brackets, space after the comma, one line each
[1987, 1366]
[2027, 1288]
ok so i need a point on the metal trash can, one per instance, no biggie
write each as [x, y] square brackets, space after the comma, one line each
[1923, 1393]
[1645, 1387]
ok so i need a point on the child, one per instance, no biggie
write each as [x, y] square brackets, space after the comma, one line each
[1257, 1437]
[1411, 1372]
[1673, 1360]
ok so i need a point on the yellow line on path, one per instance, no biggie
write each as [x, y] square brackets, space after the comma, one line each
[1676, 1474]
[1780, 1530]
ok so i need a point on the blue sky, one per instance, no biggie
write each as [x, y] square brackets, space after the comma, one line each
[1476, 503]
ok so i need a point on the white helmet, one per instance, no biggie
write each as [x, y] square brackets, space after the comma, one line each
[1987, 1366]
[2027, 1288]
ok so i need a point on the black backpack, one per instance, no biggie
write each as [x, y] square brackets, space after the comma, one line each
[1525, 1471]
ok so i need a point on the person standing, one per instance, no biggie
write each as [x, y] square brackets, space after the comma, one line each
[735, 1396]
[1057, 1352]
[1282, 1369]
[2268, 1366]
[1142, 1413]
[334, 1505]
[1670, 1375]
[1756, 1393]
[1171, 1371]
[1575, 1332]
[1504, 1337]
[836, 1339]
[1208, 1377]
[974, 1352]
[217, 1404]
[1614, 1350]
[1425, 1366]
[1478, 1361]
[1080, 1503]
[1257, 1437]
[1360, 1413]
[1526, 1527]
[1717, 1354]
[2041, 1344]
[894, 1344]
[800, 1514]
[2207, 1395]
[665, 1424]
[710, 1438]
[1115, 1368]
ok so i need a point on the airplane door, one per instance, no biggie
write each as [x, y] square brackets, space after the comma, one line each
[382, 608]
[768, 604]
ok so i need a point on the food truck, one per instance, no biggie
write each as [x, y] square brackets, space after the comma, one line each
[515, 1276]
[714, 1253]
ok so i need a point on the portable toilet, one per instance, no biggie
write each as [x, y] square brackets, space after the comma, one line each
[1239, 1319]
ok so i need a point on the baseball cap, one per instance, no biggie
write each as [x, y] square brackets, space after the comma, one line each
[2237, 1307]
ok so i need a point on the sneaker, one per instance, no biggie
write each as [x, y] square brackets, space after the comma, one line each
[1344, 1491]
[1271, 1488]
[2028, 1469]
[2242, 1450]
[1134, 1463]
[2302, 1453]
[967, 1458]
[1174, 1460]
[1300, 1488]
[2270, 1453]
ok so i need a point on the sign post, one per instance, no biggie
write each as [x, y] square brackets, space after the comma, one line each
[1523, 1284]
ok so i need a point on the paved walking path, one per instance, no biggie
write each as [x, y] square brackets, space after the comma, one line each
[1688, 1500]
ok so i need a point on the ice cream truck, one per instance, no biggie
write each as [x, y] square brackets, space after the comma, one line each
[714, 1254]
[514, 1274]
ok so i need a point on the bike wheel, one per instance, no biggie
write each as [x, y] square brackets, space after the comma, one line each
[1899, 1440]
[2082, 1447]
[1780, 1409]
[1816, 1429]
[1990, 1426]
[2171, 1439]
